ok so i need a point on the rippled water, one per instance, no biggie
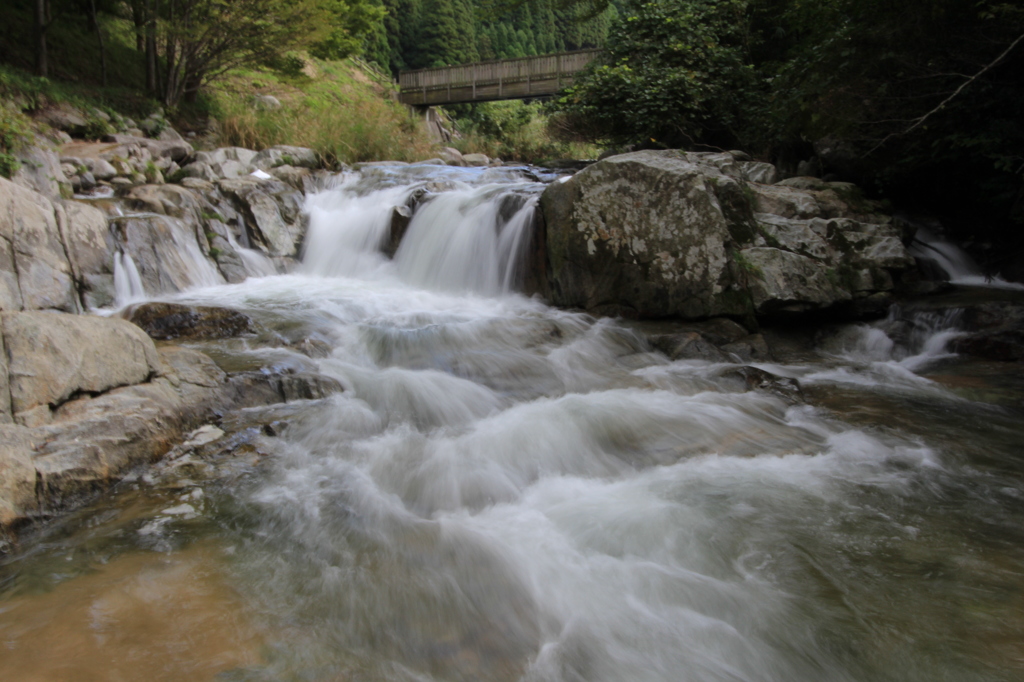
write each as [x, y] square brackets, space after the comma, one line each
[506, 491]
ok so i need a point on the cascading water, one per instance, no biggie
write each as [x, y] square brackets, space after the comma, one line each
[127, 283]
[506, 491]
[958, 266]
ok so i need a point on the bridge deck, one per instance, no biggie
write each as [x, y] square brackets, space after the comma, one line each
[488, 81]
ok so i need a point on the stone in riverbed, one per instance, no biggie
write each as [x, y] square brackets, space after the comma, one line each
[642, 234]
[174, 321]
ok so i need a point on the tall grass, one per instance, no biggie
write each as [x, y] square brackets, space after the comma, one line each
[351, 131]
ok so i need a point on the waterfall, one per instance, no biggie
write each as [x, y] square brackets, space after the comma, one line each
[468, 235]
[958, 266]
[460, 242]
[127, 283]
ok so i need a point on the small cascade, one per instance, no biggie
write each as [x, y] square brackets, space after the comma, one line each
[905, 342]
[461, 242]
[958, 266]
[255, 262]
[347, 230]
[167, 256]
[468, 233]
[127, 283]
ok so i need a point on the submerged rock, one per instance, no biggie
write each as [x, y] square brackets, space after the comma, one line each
[175, 321]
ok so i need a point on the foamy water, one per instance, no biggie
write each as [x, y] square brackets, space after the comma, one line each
[507, 491]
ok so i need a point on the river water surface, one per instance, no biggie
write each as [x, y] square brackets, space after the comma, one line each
[507, 491]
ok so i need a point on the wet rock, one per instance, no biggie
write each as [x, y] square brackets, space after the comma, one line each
[54, 357]
[262, 201]
[781, 281]
[174, 321]
[1004, 346]
[752, 348]
[401, 216]
[687, 346]
[17, 474]
[754, 379]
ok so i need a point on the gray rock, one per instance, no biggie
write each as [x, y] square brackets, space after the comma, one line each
[41, 172]
[643, 234]
[760, 172]
[266, 102]
[283, 155]
[86, 237]
[54, 357]
[262, 201]
[29, 233]
[452, 156]
[784, 282]
[296, 177]
[201, 170]
[101, 169]
[687, 346]
[476, 159]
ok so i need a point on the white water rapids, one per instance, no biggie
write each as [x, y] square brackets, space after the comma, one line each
[507, 491]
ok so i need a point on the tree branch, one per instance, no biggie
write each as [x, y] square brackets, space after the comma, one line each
[920, 120]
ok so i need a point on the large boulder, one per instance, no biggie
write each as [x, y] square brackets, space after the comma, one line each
[90, 251]
[675, 234]
[54, 357]
[642, 234]
[32, 254]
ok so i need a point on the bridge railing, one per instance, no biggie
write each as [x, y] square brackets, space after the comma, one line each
[500, 71]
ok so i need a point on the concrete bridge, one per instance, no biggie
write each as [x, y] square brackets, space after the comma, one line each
[520, 78]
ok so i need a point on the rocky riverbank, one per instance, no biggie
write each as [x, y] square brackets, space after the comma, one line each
[713, 240]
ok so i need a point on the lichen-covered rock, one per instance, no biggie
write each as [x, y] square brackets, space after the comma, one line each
[644, 234]
[674, 234]
[54, 357]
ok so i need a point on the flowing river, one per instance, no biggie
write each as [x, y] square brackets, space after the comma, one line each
[508, 491]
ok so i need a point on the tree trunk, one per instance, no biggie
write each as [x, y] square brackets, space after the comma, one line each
[99, 38]
[41, 24]
[150, 9]
[139, 21]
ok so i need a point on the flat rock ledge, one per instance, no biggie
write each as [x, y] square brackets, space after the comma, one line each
[84, 400]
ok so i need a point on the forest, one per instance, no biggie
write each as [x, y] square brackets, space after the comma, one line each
[920, 101]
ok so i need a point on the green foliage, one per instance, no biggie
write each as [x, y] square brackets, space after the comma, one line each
[351, 22]
[674, 73]
[514, 130]
[15, 131]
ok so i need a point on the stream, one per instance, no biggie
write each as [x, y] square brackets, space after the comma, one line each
[509, 491]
